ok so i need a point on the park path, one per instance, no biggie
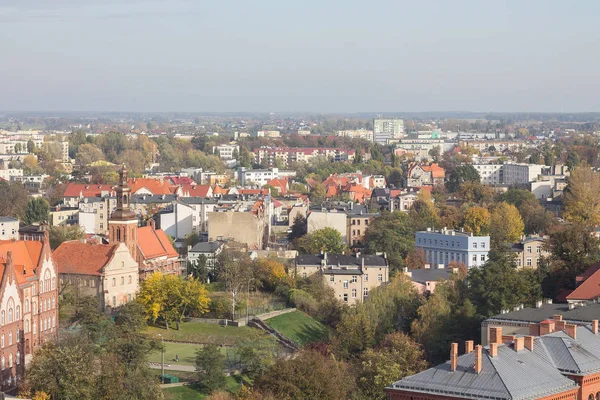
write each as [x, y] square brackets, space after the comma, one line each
[172, 367]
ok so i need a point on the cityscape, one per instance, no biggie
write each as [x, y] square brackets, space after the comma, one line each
[196, 201]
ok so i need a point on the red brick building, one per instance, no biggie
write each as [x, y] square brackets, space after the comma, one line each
[28, 304]
[563, 363]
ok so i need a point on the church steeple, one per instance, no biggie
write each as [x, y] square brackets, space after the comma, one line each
[123, 221]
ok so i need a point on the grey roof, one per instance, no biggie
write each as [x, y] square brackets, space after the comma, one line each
[511, 375]
[8, 219]
[337, 271]
[155, 198]
[585, 313]
[206, 247]
[196, 200]
[429, 275]
[579, 356]
[341, 259]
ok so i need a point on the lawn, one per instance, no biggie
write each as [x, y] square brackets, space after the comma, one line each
[193, 392]
[197, 332]
[299, 327]
[186, 353]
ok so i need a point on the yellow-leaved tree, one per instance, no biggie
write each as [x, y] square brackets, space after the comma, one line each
[477, 220]
[506, 224]
[171, 298]
[582, 203]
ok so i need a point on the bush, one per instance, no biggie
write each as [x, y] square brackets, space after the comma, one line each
[303, 301]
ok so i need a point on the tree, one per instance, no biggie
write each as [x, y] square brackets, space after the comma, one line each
[477, 220]
[269, 273]
[308, 375]
[234, 268]
[535, 217]
[326, 239]
[317, 194]
[395, 177]
[170, 298]
[460, 175]
[423, 213]
[476, 192]
[88, 153]
[397, 356]
[298, 228]
[38, 210]
[210, 365]
[257, 353]
[13, 199]
[30, 146]
[198, 268]
[582, 203]
[110, 177]
[506, 224]
[393, 234]
[63, 233]
[135, 160]
[516, 197]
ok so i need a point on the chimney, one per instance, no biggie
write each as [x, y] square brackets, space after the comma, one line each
[557, 317]
[478, 359]
[493, 349]
[595, 326]
[560, 325]
[468, 346]
[453, 356]
[519, 344]
[571, 330]
[508, 338]
[496, 335]
[546, 327]
[529, 342]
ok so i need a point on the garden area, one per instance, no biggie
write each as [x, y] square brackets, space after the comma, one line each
[299, 327]
[195, 392]
[201, 333]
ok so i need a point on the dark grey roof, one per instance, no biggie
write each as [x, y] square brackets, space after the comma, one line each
[341, 259]
[155, 198]
[428, 275]
[338, 271]
[197, 200]
[8, 219]
[579, 356]
[511, 375]
[380, 192]
[206, 247]
[585, 313]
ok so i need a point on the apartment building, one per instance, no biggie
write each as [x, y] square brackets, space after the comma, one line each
[61, 216]
[261, 177]
[226, 151]
[9, 228]
[521, 174]
[447, 245]
[490, 174]
[387, 130]
[286, 156]
[529, 252]
[357, 133]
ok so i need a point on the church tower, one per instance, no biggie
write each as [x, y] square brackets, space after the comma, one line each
[123, 223]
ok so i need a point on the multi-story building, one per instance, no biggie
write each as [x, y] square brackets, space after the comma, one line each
[319, 219]
[561, 362]
[529, 251]
[94, 213]
[351, 277]
[386, 130]
[28, 306]
[226, 151]
[448, 245]
[490, 174]
[286, 156]
[521, 174]
[210, 250]
[9, 228]
[419, 175]
[11, 174]
[261, 177]
[358, 223]
[357, 133]
[61, 216]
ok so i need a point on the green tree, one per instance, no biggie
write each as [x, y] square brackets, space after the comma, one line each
[210, 365]
[38, 210]
[393, 234]
[326, 239]
[516, 197]
[88, 153]
[63, 233]
[477, 220]
[423, 212]
[234, 268]
[460, 175]
[30, 146]
[317, 194]
[198, 268]
[13, 199]
[257, 353]
[582, 203]
[506, 224]
[298, 228]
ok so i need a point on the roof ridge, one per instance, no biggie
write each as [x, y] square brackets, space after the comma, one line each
[497, 373]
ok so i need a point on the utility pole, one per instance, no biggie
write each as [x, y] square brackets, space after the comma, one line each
[162, 357]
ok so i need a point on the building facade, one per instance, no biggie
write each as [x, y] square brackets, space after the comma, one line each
[448, 245]
[9, 228]
[387, 130]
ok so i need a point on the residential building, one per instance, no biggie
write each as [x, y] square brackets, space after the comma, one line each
[31, 182]
[561, 363]
[357, 133]
[11, 174]
[323, 218]
[210, 250]
[352, 277]
[201, 208]
[28, 306]
[226, 151]
[272, 156]
[521, 174]
[107, 272]
[358, 223]
[177, 220]
[386, 131]
[94, 213]
[419, 175]
[588, 290]
[490, 174]
[529, 251]
[425, 280]
[33, 232]
[444, 246]
[61, 216]
[76, 192]
[9, 228]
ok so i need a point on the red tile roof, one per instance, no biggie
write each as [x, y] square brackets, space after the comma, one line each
[282, 184]
[220, 190]
[154, 243]
[196, 190]
[75, 257]
[436, 170]
[25, 255]
[588, 290]
[179, 180]
[87, 190]
[153, 185]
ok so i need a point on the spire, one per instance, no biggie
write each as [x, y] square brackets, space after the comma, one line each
[123, 211]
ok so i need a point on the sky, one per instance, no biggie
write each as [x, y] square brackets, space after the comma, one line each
[299, 55]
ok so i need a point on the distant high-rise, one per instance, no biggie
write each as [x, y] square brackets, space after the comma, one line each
[387, 130]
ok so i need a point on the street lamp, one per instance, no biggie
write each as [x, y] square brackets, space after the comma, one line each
[162, 358]
[248, 301]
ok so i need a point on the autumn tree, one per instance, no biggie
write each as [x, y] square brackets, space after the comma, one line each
[423, 213]
[38, 210]
[323, 240]
[460, 175]
[317, 194]
[88, 153]
[269, 273]
[476, 192]
[393, 234]
[13, 199]
[582, 203]
[506, 224]
[210, 366]
[63, 233]
[477, 220]
[234, 268]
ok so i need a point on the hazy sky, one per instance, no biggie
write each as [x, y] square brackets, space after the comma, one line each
[299, 55]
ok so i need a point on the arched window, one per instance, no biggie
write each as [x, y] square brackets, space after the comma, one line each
[2, 317]
[34, 307]
[591, 397]
[18, 334]
[53, 283]
[34, 328]
[53, 321]
[129, 279]
[26, 306]
[118, 234]
[2, 362]
[11, 306]
[18, 313]
[53, 303]
[10, 315]
[26, 326]
[2, 340]
[122, 280]
[18, 360]
[10, 338]
[114, 281]
[10, 360]
[598, 396]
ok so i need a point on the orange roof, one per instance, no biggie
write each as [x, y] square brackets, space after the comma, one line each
[75, 257]
[282, 184]
[153, 185]
[25, 255]
[254, 191]
[179, 180]
[220, 190]
[436, 170]
[588, 290]
[154, 243]
[85, 190]
[196, 190]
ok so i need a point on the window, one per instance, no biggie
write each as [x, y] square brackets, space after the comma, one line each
[332, 278]
[26, 326]
[122, 264]
[365, 292]
[33, 290]
[18, 313]
[92, 282]
[53, 303]
[529, 264]
[483, 245]
[26, 306]
[18, 358]
[529, 249]
[475, 258]
[10, 360]
[366, 277]
[353, 293]
[345, 284]
[129, 279]
[10, 315]
[538, 250]
[122, 280]
[114, 281]
[345, 297]
[474, 245]
[34, 328]
[17, 333]
[304, 275]
[10, 338]
[354, 279]
[53, 321]
[482, 258]
[114, 301]
[101, 226]
[2, 362]
[358, 222]
[2, 340]
[379, 277]
[53, 283]
[34, 307]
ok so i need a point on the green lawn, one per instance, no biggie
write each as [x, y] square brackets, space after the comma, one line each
[186, 353]
[299, 327]
[197, 332]
[192, 392]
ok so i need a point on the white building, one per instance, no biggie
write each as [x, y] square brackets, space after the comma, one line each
[387, 130]
[9, 228]
[11, 174]
[357, 133]
[491, 174]
[328, 219]
[226, 151]
[177, 220]
[521, 174]
[201, 209]
[262, 176]
[210, 250]
[447, 245]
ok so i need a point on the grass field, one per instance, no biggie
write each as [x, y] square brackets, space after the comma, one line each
[186, 353]
[299, 327]
[192, 392]
[197, 332]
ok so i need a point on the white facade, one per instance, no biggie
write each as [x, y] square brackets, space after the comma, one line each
[11, 174]
[178, 222]
[226, 151]
[491, 174]
[9, 228]
[261, 177]
[444, 246]
[357, 133]
[520, 174]
[386, 130]
[328, 219]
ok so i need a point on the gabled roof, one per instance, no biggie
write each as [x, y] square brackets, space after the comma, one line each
[429, 275]
[154, 243]
[588, 290]
[579, 356]
[75, 257]
[435, 169]
[197, 190]
[87, 190]
[220, 190]
[206, 247]
[153, 185]
[179, 180]
[25, 255]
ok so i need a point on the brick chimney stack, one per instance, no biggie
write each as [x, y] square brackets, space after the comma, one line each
[557, 318]
[529, 342]
[453, 356]
[478, 359]
[560, 325]
[546, 327]
[508, 338]
[519, 344]
[468, 346]
[571, 330]
[496, 335]
[595, 327]
[493, 349]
